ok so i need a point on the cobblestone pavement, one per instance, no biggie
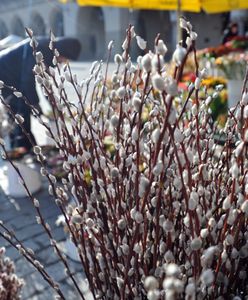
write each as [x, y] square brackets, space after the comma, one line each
[19, 215]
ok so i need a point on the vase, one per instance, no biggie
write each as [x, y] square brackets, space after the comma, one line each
[49, 139]
[10, 180]
[234, 89]
[70, 250]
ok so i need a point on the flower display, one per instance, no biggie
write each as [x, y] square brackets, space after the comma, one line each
[159, 209]
[212, 82]
[233, 65]
[237, 44]
[216, 88]
[218, 105]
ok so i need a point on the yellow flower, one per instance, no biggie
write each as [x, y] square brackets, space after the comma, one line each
[109, 144]
[222, 119]
[142, 167]
[213, 81]
[145, 113]
[219, 60]
[87, 176]
[223, 96]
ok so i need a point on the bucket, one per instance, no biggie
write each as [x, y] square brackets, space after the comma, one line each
[234, 89]
[10, 180]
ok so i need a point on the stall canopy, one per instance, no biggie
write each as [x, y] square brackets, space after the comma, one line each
[209, 6]
[219, 6]
[184, 5]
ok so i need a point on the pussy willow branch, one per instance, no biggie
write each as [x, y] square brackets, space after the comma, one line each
[43, 223]
[30, 258]
[31, 197]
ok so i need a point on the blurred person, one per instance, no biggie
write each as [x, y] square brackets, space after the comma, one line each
[16, 69]
[231, 32]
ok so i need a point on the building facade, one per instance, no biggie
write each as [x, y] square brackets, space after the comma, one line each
[96, 26]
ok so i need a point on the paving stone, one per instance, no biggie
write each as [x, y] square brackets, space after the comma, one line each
[25, 205]
[72, 295]
[32, 244]
[43, 240]
[4, 243]
[35, 284]
[35, 297]
[47, 256]
[69, 289]
[47, 294]
[22, 220]
[8, 215]
[23, 267]
[12, 253]
[50, 210]
[56, 271]
[29, 232]
[8, 203]
[77, 268]
[34, 230]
